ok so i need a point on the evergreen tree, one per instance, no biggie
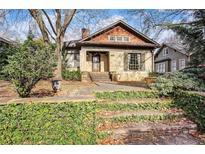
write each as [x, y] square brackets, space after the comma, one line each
[193, 34]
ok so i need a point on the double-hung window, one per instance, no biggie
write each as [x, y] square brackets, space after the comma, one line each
[174, 65]
[160, 68]
[165, 52]
[181, 63]
[134, 61]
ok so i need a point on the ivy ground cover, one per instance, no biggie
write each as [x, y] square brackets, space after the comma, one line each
[41, 123]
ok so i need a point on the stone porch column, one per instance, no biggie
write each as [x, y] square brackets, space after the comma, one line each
[82, 60]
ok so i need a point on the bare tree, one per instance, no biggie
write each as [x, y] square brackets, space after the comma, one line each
[154, 22]
[55, 31]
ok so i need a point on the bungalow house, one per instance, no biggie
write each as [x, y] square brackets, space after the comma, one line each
[117, 52]
[171, 57]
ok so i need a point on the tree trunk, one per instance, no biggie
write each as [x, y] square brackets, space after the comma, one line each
[58, 51]
[59, 31]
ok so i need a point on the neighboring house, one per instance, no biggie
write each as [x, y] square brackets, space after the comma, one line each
[170, 57]
[4, 41]
[118, 50]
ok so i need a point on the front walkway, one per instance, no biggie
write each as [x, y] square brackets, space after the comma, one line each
[84, 93]
[110, 86]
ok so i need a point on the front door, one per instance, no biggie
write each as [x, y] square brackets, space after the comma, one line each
[96, 62]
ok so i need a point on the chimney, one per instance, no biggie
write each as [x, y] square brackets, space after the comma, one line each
[85, 33]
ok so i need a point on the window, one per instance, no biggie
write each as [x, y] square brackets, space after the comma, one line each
[112, 38]
[160, 68]
[134, 61]
[165, 52]
[77, 56]
[181, 63]
[126, 39]
[118, 38]
[174, 65]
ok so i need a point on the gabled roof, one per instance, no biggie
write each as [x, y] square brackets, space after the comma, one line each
[176, 47]
[128, 27]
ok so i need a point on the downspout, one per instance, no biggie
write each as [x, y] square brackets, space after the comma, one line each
[152, 61]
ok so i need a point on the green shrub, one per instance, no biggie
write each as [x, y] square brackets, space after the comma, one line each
[4, 54]
[71, 75]
[125, 95]
[32, 61]
[198, 71]
[41, 123]
[172, 83]
[194, 107]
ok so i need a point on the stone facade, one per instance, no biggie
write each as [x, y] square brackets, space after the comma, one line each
[114, 62]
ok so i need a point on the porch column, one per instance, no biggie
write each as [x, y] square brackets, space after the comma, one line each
[82, 60]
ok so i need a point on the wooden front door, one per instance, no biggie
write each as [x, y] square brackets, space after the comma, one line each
[96, 62]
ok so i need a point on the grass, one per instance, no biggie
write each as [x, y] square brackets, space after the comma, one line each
[119, 95]
[65, 123]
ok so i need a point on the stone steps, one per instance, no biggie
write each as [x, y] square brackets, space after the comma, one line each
[175, 132]
[100, 76]
[154, 133]
[166, 126]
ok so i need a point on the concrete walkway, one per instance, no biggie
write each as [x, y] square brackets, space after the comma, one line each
[83, 94]
[110, 86]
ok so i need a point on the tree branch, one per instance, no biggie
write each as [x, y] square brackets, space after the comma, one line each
[67, 19]
[49, 20]
[58, 22]
[36, 14]
[177, 24]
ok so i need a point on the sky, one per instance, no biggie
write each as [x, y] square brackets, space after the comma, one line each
[17, 23]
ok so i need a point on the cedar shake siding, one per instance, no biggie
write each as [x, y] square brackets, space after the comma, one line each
[117, 31]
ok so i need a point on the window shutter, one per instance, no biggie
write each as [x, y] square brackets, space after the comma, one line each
[142, 64]
[126, 61]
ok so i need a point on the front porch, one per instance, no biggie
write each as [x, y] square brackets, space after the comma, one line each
[119, 64]
[95, 61]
